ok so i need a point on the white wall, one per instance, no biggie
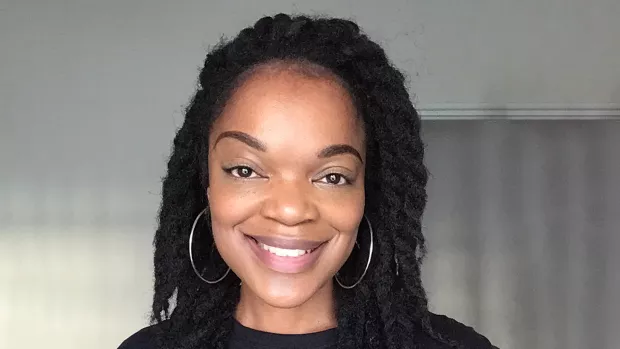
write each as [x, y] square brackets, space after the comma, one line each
[91, 93]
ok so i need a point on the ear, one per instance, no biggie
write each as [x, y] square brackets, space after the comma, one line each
[208, 193]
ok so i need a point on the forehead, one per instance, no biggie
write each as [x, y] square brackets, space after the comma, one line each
[283, 107]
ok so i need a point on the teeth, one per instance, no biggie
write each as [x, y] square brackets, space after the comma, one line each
[282, 252]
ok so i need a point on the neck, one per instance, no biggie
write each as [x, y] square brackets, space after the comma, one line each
[315, 315]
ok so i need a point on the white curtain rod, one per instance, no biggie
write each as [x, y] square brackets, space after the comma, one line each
[546, 111]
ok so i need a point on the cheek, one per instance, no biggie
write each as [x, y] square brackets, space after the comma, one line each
[227, 212]
[344, 212]
[230, 202]
[228, 209]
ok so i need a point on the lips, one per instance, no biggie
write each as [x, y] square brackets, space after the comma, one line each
[287, 256]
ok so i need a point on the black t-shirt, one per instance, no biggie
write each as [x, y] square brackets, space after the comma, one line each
[246, 338]
[242, 337]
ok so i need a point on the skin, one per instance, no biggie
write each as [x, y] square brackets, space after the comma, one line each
[285, 189]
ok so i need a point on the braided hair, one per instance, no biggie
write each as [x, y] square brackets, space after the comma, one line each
[383, 310]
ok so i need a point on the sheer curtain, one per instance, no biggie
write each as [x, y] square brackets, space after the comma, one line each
[523, 225]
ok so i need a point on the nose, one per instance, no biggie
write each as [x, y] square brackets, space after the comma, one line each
[290, 203]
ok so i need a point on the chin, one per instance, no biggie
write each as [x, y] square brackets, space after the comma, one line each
[286, 294]
[285, 301]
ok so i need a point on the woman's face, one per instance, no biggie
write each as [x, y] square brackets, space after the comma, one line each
[286, 184]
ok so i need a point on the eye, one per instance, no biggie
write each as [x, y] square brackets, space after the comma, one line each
[242, 172]
[335, 179]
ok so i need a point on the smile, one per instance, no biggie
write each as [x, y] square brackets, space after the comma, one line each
[282, 252]
[289, 256]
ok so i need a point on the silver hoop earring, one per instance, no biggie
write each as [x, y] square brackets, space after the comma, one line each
[348, 287]
[191, 256]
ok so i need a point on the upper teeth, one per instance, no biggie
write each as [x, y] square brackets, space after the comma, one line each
[282, 252]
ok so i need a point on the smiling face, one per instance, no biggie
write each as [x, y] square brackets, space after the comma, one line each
[286, 184]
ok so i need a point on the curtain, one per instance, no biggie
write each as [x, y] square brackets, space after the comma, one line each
[523, 228]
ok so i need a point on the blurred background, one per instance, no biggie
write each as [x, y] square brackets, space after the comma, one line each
[520, 101]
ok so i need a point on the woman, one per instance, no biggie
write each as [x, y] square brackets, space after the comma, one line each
[299, 168]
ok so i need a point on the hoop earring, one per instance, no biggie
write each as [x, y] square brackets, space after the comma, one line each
[348, 287]
[191, 256]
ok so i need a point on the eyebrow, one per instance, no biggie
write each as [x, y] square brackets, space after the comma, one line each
[242, 137]
[338, 149]
[332, 150]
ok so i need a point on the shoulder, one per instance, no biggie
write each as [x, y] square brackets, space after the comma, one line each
[146, 338]
[465, 335]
